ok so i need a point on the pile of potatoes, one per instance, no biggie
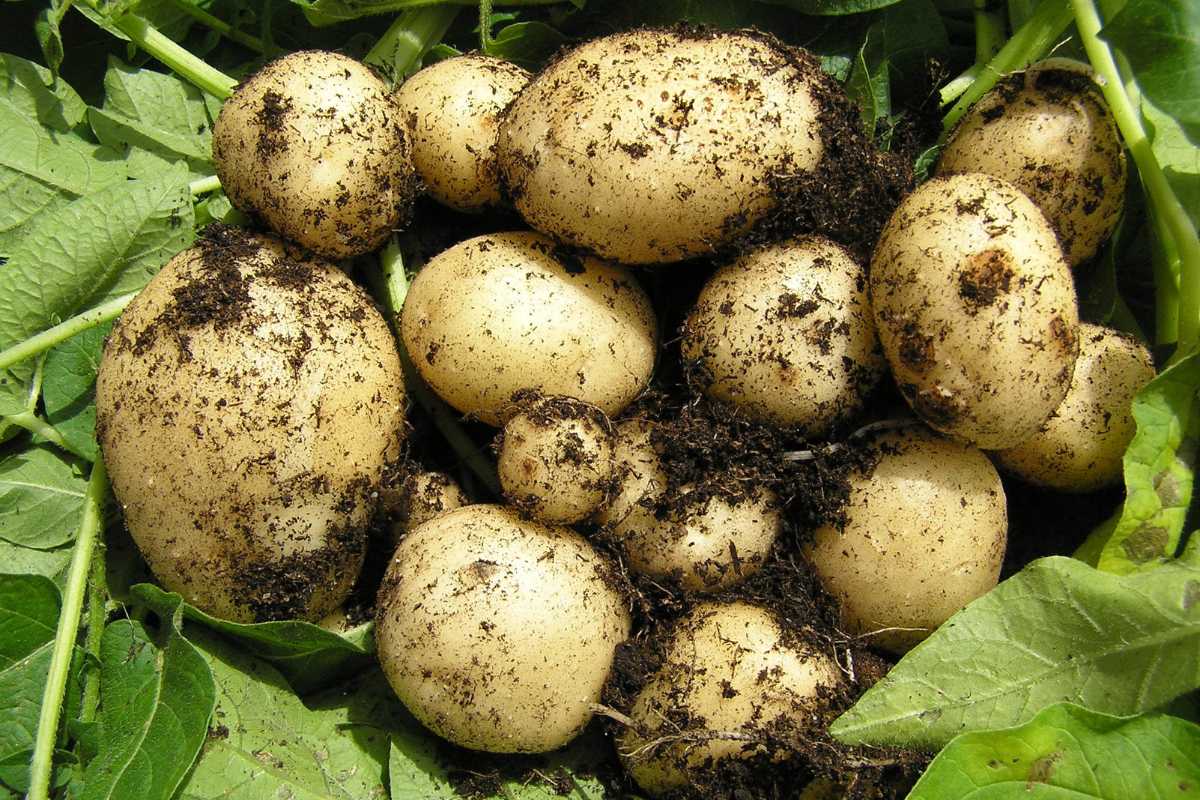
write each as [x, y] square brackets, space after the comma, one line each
[252, 398]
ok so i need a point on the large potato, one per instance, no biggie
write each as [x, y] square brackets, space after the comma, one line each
[652, 146]
[786, 334]
[452, 109]
[1048, 131]
[1081, 447]
[925, 535]
[247, 402]
[975, 308]
[729, 668]
[314, 144]
[507, 312]
[496, 632]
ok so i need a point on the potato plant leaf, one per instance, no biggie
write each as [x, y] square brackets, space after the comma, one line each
[33, 91]
[307, 655]
[833, 7]
[414, 771]
[526, 43]
[1058, 630]
[1069, 752]
[157, 696]
[69, 389]
[41, 498]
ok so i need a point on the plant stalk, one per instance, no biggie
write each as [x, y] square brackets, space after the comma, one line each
[38, 427]
[64, 639]
[64, 330]
[409, 38]
[222, 27]
[97, 611]
[204, 185]
[485, 25]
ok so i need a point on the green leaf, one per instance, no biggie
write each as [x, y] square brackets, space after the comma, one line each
[41, 498]
[50, 564]
[1059, 630]
[34, 92]
[157, 696]
[1070, 752]
[69, 389]
[265, 742]
[526, 43]
[1158, 471]
[414, 771]
[46, 29]
[307, 655]
[833, 7]
[1161, 39]
[1178, 157]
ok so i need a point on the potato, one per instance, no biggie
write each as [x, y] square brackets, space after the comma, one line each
[975, 309]
[511, 312]
[640, 479]
[452, 109]
[247, 402]
[728, 668]
[556, 460]
[423, 496]
[1081, 447]
[925, 535]
[314, 145]
[1049, 132]
[496, 632]
[652, 146]
[785, 333]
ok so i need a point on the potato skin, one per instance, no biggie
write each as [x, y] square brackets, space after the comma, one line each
[247, 402]
[640, 478]
[728, 667]
[498, 633]
[452, 110]
[421, 497]
[314, 145]
[652, 146]
[787, 335]
[975, 308]
[1048, 131]
[925, 534]
[505, 313]
[1081, 447]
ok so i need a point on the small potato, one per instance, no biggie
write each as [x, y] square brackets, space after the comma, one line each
[423, 496]
[786, 334]
[639, 476]
[652, 146]
[925, 535]
[556, 460]
[314, 145]
[975, 309]
[452, 109]
[498, 633]
[1081, 447]
[728, 668]
[247, 402]
[512, 312]
[1049, 132]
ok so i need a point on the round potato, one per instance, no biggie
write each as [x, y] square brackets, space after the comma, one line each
[247, 402]
[511, 312]
[421, 497]
[639, 475]
[976, 310]
[1081, 447]
[653, 146]
[925, 535]
[785, 333]
[1048, 131]
[496, 632]
[556, 460]
[314, 145]
[728, 668]
[452, 109]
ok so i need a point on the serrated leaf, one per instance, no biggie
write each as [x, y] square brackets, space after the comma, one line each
[69, 389]
[41, 498]
[1069, 752]
[157, 696]
[1059, 630]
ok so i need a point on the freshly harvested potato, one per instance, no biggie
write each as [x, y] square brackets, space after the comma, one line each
[925, 534]
[314, 144]
[496, 632]
[786, 334]
[652, 146]
[452, 109]
[1048, 131]
[1081, 447]
[556, 460]
[423, 496]
[640, 479]
[729, 667]
[511, 312]
[247, 402]
[976, 310]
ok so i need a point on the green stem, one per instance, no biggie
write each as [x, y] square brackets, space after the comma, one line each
[409, 38]
[485, 25]
[38, 427]
[1164, 205]
[1031, 41]
[64, 330]
[954, 89]
[97, 611]
[989, 33]
[204, 185]
[64, 638]
[220, 26]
